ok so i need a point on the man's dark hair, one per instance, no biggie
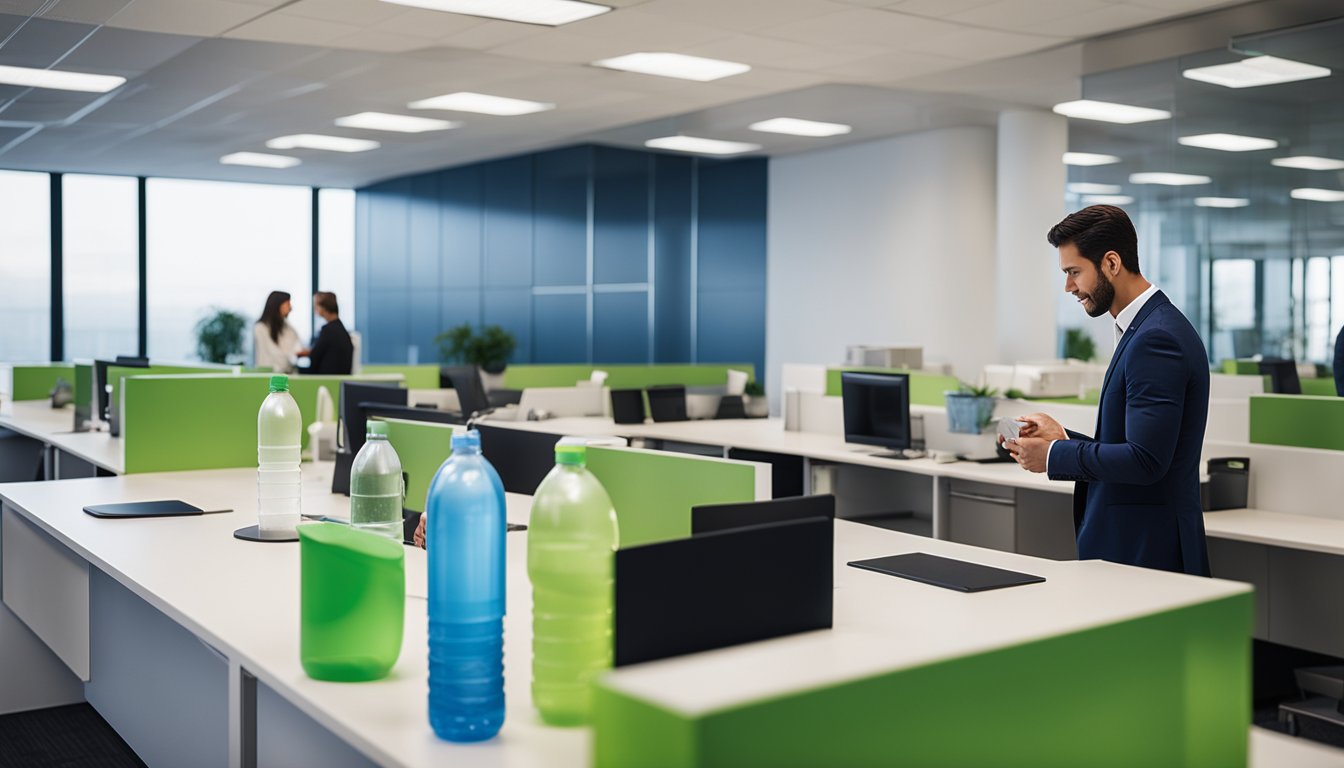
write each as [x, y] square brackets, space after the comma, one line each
[327, 300]
[1096, 230]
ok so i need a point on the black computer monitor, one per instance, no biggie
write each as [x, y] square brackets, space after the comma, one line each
[471, 395]
[351, 430]
[877, 408]
[101, 385]
[521, 457]
[723, 517]
[1282, 375]
[667, 402]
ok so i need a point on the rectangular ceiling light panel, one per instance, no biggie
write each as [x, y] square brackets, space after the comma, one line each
[29, 77]
[319, 141]
[259, 160]
[1108, 112]
[1318, 195]
[383, 121]
[481, 103]
[550, 13]
[675, 65]
[1089, 158]
[1227, 142]
[1222, 202]
[1307, 162]
[1168, 179]
[796, 127]
[701, 146]
[1255, 72]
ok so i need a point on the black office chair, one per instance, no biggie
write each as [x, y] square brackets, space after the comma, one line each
[471, 395]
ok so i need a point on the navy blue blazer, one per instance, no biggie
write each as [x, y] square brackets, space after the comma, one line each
[1137, 496]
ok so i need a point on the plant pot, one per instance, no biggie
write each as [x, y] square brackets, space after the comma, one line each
[492, 380]
[756, 406]
[968, 414]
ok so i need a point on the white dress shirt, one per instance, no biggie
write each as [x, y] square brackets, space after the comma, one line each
[277, 354]
[1123, 319]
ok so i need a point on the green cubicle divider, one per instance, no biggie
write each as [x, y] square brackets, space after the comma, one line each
[116, 374]
[1167, 689]
[1302, 421]
[624, 376]
[1319, 387]
[35, 382]
[1241, 367]
[415, 376]
[84, 386]
[208, 421]
[422, 448]
[653, 491]
[925, 388]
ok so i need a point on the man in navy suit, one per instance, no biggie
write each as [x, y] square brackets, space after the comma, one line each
[1137, 495]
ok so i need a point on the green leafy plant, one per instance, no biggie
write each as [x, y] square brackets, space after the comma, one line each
[754, 389]
[219, 336]
[490, 348]
[971, 408]
[1078, 345]
[978, 391]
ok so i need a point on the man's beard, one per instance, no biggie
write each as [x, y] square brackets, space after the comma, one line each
[1103, 296]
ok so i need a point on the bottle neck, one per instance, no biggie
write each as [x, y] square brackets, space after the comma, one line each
[467, 450]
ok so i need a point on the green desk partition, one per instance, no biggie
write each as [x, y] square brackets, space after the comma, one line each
[1167, 689]
[653, 491]
[84, 387]
[422, 448]
[925, 388]
[1319, 387]
[1241, 367]
[415, 376]
[116, 374]
[1302, 421]
[623, 376]
[35, 382]
[207, 421]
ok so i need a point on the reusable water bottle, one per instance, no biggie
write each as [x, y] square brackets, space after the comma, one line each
[279, 479]
[464, 541]
[376, 486]
[572, 538]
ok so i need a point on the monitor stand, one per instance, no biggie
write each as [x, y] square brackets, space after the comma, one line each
[888, 455]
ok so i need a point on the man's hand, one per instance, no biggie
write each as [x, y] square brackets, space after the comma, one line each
[419, 536]
[1029, 452]
[1043, 426]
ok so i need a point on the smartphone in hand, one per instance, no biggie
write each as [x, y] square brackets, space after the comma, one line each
[1009, 428]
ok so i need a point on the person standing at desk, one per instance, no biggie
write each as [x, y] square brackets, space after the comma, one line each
[333, 352]
[1339, 363]
[1137, 495]
[275, 342]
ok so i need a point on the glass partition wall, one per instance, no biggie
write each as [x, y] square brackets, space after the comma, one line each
[1248, 237]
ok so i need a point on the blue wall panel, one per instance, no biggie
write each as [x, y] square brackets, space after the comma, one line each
[489, 244]
[621, 198]
[621, 327]
[559, 328]
[560, 217]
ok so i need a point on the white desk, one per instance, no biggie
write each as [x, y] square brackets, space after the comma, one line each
[54, 427]
[241, 599]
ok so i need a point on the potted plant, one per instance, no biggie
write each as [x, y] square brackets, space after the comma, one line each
[489, 349]
[219, 336]
[1078, 345]
[754, 401]
[970, 409]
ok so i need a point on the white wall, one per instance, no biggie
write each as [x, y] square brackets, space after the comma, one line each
[885, 242]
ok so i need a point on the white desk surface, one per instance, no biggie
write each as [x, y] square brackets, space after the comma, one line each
[55, 426]
[1271, 749]
[1277, 529]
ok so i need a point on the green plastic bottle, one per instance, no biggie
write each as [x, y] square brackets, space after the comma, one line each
[571, 544]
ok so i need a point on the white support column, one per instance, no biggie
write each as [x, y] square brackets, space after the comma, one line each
[1031, 177]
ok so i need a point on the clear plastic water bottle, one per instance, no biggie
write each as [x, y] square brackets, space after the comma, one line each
[279, 479]
[572, 538]
[464, 539]
[377, 489]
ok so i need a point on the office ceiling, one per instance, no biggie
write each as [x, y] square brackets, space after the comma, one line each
[211, 77]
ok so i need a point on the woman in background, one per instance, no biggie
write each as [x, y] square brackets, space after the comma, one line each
[276, 343]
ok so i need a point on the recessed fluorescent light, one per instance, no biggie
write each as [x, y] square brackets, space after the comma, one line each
[1107, 199]
[1222, 202]
[796, 127]
[1319, 195]
[319, 141]
[1168, 179]
[382, 121]
[1257, 71]
[1088, 188]
[260, 160]
[1107, 112]
[59, 80]
[675, 65]
[1089, 158]
[551, 13]
[481, 103]
[1227, 142]
[1309, 163]
[701, 146]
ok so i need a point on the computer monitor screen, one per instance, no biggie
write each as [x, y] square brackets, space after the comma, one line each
[876, 408]
[101, 384]
[353, 394]
[521, 457]
[1282, 375]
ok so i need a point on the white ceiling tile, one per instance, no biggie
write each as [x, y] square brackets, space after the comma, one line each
[783, 54]
[971, 44]
[739, 16]
[862, 26]
[1025, 15]
[434, 25]
[937, 8]
[561, 47]
[359, 12]
[84, 11]
[1106, 19]
[126, 52]
[21, 7]
[491, 34]
[896, 65]
[281, 27]
[373, 40]
[198, 17]
[643, 31]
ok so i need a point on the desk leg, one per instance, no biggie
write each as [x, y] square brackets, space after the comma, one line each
[807, 476]
[242, 717]
[942, 500]
[48, 462]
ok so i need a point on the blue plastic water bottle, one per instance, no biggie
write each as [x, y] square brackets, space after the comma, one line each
[464, 539]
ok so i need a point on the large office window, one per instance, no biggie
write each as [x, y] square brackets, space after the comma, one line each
[101, 265]
[25, 266]
[217, 245]
[336, 248]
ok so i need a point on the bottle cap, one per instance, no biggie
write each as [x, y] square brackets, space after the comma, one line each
[279, 383]
[377, 428]
[469, 440]
[571, 454]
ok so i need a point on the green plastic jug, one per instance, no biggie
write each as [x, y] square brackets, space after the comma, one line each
[352, 602]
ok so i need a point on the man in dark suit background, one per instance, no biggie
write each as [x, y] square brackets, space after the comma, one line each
[1339, 363]
[1137, 495]
[333, 352]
